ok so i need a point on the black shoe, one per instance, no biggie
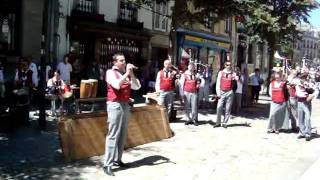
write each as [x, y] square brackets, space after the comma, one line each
[300, 136]
[217, 125]
[108, 170]
[121, 164]
[224, 126]
[308, 138]
[195, 123]
[188, 122]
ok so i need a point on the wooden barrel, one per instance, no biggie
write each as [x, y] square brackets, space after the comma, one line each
[85, 89]
[94, 88]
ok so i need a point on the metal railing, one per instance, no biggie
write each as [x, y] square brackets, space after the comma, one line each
[86, 6]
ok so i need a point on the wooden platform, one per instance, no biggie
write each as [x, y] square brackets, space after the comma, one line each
[83, 135]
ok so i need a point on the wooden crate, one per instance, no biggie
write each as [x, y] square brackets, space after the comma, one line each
[83, 135]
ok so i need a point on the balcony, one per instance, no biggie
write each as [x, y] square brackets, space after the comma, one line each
[128, 16]
[85, 10]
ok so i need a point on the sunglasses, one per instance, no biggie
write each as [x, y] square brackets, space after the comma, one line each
[227, 64]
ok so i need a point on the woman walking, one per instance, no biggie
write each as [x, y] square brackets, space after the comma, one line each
[278, 104]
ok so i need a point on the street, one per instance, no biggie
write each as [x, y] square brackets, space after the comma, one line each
[242, 151]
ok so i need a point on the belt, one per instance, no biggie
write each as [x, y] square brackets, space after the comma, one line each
[304, 99]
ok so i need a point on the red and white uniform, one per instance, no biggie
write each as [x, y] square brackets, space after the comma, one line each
[115, 91]
[165, 81]
[190, 83]
[277, 89]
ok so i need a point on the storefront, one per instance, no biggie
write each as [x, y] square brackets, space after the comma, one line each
[203, 47]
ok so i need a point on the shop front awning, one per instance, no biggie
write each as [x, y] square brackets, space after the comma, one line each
[196, 38]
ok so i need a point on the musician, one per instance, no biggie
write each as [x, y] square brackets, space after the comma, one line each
[165, 84]
[23, 77]
[305, 92]
[224, 93]
[190, 84]
[292, 81]
[278, 106]
[55, 87]
[120, 80]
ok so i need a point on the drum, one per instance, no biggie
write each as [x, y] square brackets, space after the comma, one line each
[85, 89]
[67, 92]
[94, 88]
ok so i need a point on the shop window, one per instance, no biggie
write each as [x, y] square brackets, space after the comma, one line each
[10, 27]
[128, 11]
[87, 6]
[160, 16]
[228, 25]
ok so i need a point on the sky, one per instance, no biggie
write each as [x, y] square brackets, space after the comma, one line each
[315, 17]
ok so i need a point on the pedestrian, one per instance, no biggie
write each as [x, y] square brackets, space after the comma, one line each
[204, 90]
[190, 84]
[224, 94]
[277, 89]
[292, 81]
[120, 80]
[305, 92]
[65, 69]
[256, 83]
[2, 86]
[238, 93]
[165, 85]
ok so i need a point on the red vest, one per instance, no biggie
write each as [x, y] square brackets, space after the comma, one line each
[119, 95]
[190, 85]
[166, 84]
[278, 92]
[226, 82]
[292, 91]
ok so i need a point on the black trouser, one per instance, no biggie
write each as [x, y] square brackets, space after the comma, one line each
[255, 93]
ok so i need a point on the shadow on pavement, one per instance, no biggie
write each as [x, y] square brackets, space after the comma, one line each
[147, 161]
[255, 112]
[31, 153]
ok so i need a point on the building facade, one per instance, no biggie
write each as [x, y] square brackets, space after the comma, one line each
[307, 47]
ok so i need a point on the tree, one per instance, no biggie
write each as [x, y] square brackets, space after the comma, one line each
[274, 21]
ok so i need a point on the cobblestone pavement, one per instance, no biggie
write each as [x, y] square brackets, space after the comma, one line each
[242, 151]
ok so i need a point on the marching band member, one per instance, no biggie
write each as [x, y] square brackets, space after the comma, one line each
[120, 80]
[278, 104]
[165, 84]
[190, 83]
[305, 91]
[55, 87]
[224, 93]
[292, 81]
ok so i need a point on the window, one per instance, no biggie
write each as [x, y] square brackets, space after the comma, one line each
[10, 27]
[208, 22]
[128, 11]
[160, 20]
[86, 6]
[228, 25]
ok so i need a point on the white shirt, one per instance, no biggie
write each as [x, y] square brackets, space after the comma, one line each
[65, 70]
[218, 90]
[115, 82]
[51, 82]
[33, 68]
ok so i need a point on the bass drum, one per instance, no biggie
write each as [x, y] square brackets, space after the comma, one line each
[67, 92]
